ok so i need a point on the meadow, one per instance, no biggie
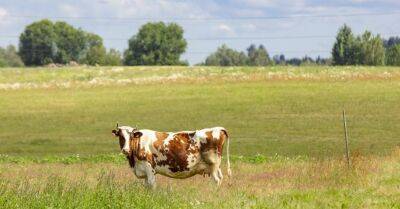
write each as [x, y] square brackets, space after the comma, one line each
[285, 126]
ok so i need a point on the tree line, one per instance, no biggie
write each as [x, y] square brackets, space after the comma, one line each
[256, 56]
[365, 49]
[45, 42]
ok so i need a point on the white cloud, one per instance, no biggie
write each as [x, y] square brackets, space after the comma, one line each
[3, 16]
[3, 13]
[226, 29]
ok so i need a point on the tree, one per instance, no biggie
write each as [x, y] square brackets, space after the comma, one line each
[156, 44]
[70, 43]
[225, 56]
[37, 44]
[45, 42]
[94, 52]
[257, 56]
[294, 61]
[94, 56]
[366, 49]
[392, 46]
[391, 42]
[393, 55]
[307, 61]
[342, 52]
[371, 50]
[9, 57]
[323, 61]
[113, 58]
[279, 59]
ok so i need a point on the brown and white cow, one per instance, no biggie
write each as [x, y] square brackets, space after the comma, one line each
[174, 154]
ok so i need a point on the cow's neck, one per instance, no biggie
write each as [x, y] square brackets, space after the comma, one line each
[135, 147]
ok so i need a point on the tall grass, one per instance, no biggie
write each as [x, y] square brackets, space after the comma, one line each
[372, 182]
[55, 192]
[76, 77]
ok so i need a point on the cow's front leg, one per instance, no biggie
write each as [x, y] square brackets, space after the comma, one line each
[150, 177]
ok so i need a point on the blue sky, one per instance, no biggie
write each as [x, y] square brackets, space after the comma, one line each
[215, 20]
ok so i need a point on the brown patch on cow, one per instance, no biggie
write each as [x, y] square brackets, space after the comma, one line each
[161, 136]
[178, 148]
[213, 143]
[223, 136]
[134, 145]
[209, 144]
[135, 150]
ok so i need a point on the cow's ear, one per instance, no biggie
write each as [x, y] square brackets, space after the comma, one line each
[136, 134]
[114, 132]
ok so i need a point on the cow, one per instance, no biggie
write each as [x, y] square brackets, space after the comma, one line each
[174, 154]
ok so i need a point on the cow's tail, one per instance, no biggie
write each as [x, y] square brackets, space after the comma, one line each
[228, 163]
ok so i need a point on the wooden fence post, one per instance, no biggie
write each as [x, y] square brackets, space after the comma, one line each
[346, 139]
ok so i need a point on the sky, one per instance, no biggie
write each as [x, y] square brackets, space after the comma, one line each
[295, 28]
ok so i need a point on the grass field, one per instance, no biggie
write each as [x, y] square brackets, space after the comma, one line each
[284, 121]
[289, 115]
[372, 182]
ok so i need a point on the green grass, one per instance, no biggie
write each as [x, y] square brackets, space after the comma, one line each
[285, 125]
[279, 183]
[285, 117]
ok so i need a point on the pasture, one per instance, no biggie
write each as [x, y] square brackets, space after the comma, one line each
[285, 127]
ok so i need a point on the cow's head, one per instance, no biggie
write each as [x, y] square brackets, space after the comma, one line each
[126, 135]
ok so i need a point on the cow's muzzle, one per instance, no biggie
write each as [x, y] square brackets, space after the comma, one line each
[125, 151]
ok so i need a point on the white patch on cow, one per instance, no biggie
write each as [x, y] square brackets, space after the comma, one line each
[147, 140]
[201, 134]
[126, 130]
[216, 133]
[193, 159]
[167, 140]
[126, 146]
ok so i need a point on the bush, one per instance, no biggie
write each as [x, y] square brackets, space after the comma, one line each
[393, 55]
[9, 57]
[225, 56]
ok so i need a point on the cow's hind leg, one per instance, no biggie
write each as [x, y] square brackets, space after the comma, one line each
[214, 161]
[214, 174]
[220, 174]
